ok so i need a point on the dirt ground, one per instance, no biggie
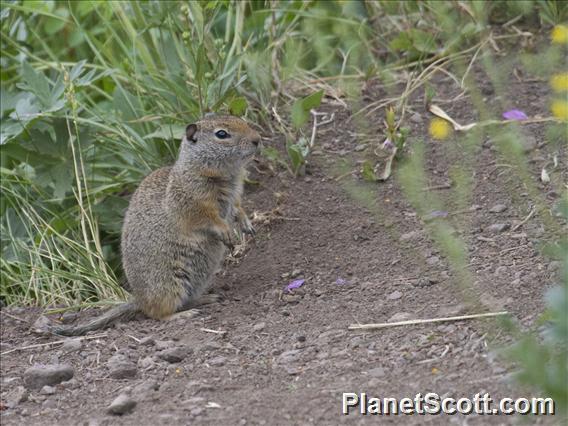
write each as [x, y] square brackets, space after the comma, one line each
[278, 358]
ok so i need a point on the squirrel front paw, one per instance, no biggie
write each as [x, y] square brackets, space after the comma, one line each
[246, 226]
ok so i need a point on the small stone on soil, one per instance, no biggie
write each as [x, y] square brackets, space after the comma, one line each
[41, 325]
[71, 345]
[47, 390]
[400, 316]
[259, 326]
[16, 396]
[122, 404]
[377, 372]
[410, 236]
[394, 295]
[121, 368]
[498, 208]
[295, 273]
[38, 376]
[174, 355]
[217, 361]
[497, 228]
[147, 341]
[360, 148]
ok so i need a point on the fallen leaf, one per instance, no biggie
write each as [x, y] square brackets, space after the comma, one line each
[439, 112]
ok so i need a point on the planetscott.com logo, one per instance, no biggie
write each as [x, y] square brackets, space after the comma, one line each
[432, 403]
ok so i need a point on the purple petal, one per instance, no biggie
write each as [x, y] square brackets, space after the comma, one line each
[387, 144]
[294, 284]
[340, 281]
[514, 114]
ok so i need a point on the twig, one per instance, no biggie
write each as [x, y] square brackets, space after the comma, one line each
[134, 338]
[208, 330]
[423, 321]
[41, 345]
[432, 188]
[525, 220]
[14, 317]
[344, 175]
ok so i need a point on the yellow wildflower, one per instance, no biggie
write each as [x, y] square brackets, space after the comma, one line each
[559, 34]
[559, 82]
[560, 109]
[439, 129]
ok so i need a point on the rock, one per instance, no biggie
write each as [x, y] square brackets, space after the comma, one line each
[416, 118]
[122, 404]
[498, 208]
[72, 345]
[410, 236]
[70, 384]
[400, 316]
[395, 295]
[147, 341]
[49, 403]
[38, 376]
[164, 344]
[217, 361]
[259, 326]
[47, 390]
[376, 372]
[528, 142]
[145, 389]
[146, 362]
[41, 325]
[433, 260]
[16, 396]
[295, 273]
[121, 368]
[289, 356]
[360, 147]
[174, 355]
[497, 228]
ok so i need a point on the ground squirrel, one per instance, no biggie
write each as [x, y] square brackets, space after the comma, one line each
[180, 220]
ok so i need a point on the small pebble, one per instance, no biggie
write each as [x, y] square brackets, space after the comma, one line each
[174, 355]
[47, 390]
[497, 228]
[498, 208]
[38, 376]
[122, 404]
[395, 295]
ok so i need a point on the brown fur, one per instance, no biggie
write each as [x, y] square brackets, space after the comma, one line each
[179, 221]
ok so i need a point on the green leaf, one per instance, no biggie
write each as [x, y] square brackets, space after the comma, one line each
[296, 157]
[238, 106]
[167, 132]
[301, 108]
[36, 83]
[53, 25]
[368, 172]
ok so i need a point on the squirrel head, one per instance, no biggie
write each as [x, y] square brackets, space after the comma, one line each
[221, 140]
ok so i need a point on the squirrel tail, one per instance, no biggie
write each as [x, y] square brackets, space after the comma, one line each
[126, 311]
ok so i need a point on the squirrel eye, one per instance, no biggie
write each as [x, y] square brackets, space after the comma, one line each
[221, 134]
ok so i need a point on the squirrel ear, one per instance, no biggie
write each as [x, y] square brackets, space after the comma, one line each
[190, 131]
